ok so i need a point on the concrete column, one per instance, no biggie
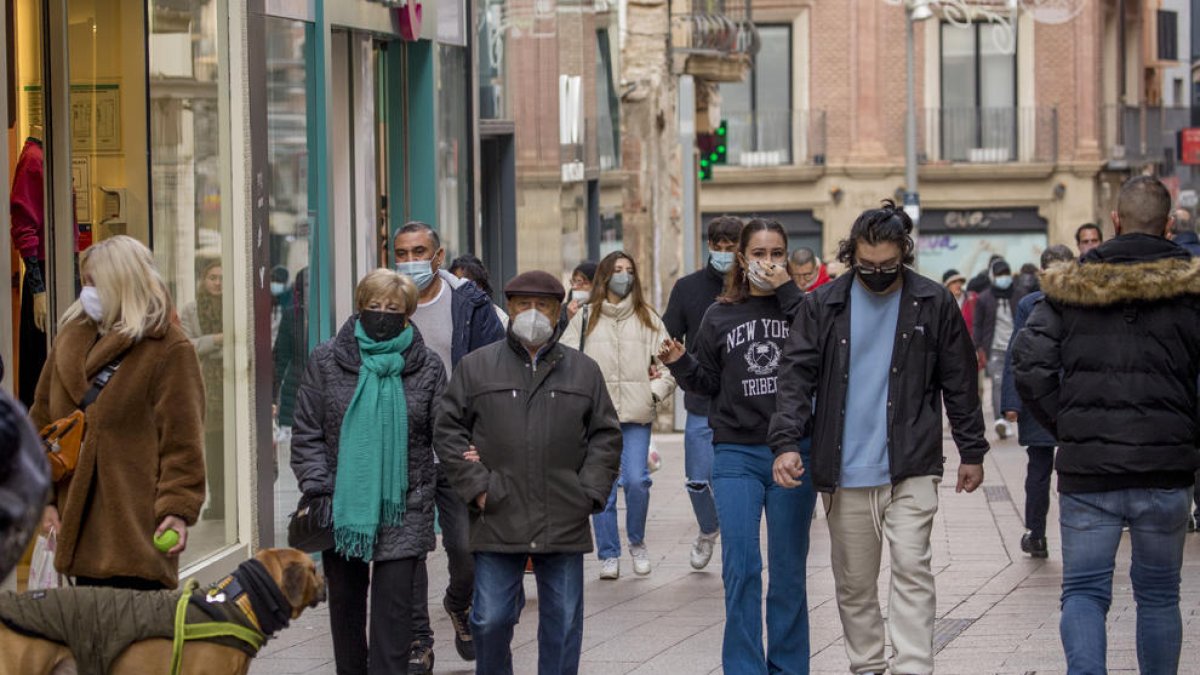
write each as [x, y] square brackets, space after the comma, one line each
[1087, 83]
[866, 124]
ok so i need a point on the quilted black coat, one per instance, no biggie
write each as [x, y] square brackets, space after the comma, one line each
[325, 392]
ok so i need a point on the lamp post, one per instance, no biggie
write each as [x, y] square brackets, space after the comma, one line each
[915, 10]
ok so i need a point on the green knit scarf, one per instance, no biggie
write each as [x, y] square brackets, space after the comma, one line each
[372, 469]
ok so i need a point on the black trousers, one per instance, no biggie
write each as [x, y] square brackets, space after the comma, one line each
[1037, 488]
[454, 519]
[390, 584]
[32, 350]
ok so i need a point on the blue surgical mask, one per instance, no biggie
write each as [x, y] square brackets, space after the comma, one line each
[421, 272]
[721, 261]
[1003, 283]
[278, 288]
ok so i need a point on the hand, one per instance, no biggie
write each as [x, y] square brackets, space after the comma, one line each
[572, 309]
[174, 523]
[654, 374]
[982, 359]
[472, 454]
[776, 273]
[41, 311]
[788, 469]
[970, 477]
[481, 501]
[50, 520]
[1010, 416]
[671, 351]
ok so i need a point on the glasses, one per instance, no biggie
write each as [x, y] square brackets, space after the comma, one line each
[868, 270]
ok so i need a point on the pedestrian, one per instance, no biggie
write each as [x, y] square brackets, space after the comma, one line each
[291, 348]
[1025, 282]
[807, 270]
[1108, 363]
[24, 481]
[581, 291]
[734, 358]
[983, 281]
[1183, 232]
[203, 323]
[150, 413]
[690, 299]
[455, 318]
[362, 441]
[867, 365]
[1039, 444]
[623, 335]
[955, 282]
[993, 330]
[538, 419]
[1088, 237]
[472, 269]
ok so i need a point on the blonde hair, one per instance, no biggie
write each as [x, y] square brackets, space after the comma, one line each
[132, 293]
[385, 283]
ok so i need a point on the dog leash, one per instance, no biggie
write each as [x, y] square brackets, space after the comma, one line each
[204, 631]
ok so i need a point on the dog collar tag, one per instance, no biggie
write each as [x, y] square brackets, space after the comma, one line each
[215, 596]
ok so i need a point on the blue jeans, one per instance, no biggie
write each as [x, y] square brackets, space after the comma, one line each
[1091, 532]
[635, 478]
[743, 486]
[698, 466]
[500, 597]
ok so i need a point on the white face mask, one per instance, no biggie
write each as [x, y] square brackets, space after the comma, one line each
[532, 328]
[89, 297]
[581, 296]
[754, 272]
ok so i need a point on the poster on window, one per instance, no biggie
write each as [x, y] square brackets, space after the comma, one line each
[969, 253]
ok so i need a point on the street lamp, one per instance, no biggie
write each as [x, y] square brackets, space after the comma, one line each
[916, 10]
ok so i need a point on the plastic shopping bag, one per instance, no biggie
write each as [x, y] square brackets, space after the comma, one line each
[42, 574]
[653, 459]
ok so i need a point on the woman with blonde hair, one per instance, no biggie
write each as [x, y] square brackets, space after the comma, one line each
[141, 466]
[203, 324]
[362, 440]
[622, 333]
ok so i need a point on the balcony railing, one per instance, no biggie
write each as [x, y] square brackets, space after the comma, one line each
[775, 138]
[1143, 134]
[990, 135]
[713, 27]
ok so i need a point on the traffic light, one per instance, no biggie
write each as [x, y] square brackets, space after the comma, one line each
[712, 150]
[718, 153]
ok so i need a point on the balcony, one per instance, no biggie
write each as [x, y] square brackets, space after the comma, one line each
[1142, 134]
[775, 138]
[989, 135]
[713, 39]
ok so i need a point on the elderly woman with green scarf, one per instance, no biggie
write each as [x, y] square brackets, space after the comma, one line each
[361, 437]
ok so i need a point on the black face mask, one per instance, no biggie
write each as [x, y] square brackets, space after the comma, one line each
[880, 281]
[382, 326]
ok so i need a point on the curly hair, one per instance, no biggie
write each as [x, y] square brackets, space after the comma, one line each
[886, 224]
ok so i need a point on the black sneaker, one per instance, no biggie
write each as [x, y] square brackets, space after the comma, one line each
[463, 642]
[1036, 548]
[420, 659]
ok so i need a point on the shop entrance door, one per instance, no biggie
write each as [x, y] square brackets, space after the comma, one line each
[359, 162]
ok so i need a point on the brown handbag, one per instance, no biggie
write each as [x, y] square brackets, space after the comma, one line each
[63, 438]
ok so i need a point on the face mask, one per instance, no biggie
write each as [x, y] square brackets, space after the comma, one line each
[620, 284]
[754, 272]
[89, 297]
[1003, 283]
[580, 296]
[880, 281]
[421, 272]
[278, 288]
[381, 326]
[721, 261]
[532, 328]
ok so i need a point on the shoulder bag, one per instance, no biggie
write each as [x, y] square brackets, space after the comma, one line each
[63, 437]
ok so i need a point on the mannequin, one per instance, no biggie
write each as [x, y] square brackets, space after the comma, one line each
[27, 208]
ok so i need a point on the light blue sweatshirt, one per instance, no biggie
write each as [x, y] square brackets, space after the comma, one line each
[872, 336]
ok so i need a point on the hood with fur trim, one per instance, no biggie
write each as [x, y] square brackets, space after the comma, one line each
[1103, 284]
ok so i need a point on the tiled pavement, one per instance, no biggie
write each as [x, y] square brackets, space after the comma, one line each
[997, 609]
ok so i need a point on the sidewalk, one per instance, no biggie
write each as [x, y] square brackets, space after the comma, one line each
[997, 608]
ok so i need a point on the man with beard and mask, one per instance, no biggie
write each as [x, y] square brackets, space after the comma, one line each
[993, 330]
[690, 299]
[865, 370]
[455, 318]
[530, 439]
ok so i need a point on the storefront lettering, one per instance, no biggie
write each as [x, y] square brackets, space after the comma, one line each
[937, 242]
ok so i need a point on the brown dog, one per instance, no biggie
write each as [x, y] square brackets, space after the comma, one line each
[292, 571]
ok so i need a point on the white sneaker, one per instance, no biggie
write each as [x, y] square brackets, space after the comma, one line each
[610, 568]
[702, 550]
[641, 560]
[1001, 427]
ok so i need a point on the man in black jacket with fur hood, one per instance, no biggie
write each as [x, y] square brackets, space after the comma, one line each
[1109, 364]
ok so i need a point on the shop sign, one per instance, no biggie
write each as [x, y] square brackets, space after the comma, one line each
[1189, 146]
[1022, 219]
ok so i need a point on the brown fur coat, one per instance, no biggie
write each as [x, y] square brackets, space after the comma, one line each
[142, 457]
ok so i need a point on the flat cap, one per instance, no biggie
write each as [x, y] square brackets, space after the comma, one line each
[535, 282]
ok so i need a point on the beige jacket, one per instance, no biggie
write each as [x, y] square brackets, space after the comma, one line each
[625, 349]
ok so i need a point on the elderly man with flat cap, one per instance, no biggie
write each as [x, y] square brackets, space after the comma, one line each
[530, 440]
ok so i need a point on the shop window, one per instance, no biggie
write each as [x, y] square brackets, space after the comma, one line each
[454, 151]
[612, 233]
[608, 107]
[978, 120]
[758, 112]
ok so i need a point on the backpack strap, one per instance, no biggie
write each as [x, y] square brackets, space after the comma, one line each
[583, 327]
[100, 381]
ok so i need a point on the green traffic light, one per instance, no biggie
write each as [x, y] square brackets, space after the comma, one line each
[703, 176]
[721, 129]
[721, 149]
[713, 157]
[704, 163]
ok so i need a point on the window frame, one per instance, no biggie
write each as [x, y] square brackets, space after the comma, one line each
[978, 72]
[789, 80]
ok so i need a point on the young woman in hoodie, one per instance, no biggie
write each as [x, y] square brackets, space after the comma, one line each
[735, 362]
[622, 334]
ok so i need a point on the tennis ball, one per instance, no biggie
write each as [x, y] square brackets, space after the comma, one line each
[166, 541]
